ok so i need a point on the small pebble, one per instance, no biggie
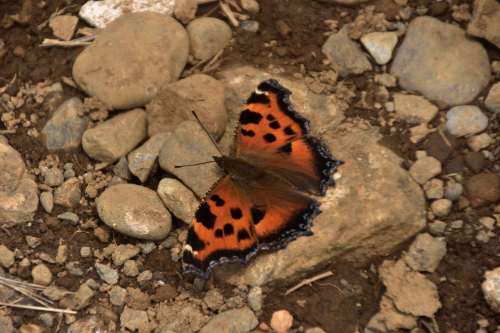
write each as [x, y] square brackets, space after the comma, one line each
[441, 207]
[47, 201]
[281, 321]
[453, 190]
[249, 25]
[85, 251]
[69, 216]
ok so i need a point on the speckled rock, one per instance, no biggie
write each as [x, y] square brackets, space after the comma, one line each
[465, 120]
[132, 59]
[135, 211]
[65, 128]
[178, 199]
[235, 321]
[380, 45]
[12, 168]
[115, 137]
[492, 101]
[425, 253]
[426, 63]
[413, 108]
[21, 204]
[345, 55]
[69, 193]
[491, 288]
[142, 160]
[485, 21]
[188, 145]
[425, 168]
[208, 36]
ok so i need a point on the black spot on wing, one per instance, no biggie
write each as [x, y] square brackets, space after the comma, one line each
[250, 117]
[289, 131]
[236, 213]
[270, 117]
[194, 241]
[269, 137]
[219, 202]
[243, 234]
[205, 216]
[257, 214]
[286, 148]
[249, 133]
[228, 229]
[218, 233]
[275, 124]
[258, 99]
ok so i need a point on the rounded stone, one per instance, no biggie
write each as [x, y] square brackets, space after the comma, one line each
[465, 120]
[492, 101]
[132, 58]
[426, 63]
[281, 321]
[483, 188]
[116, 137]
[11, 168]
[135, 211]
[41, 275]
[380, 45]
[441, 207]
[491, 288]
[178, 199]
[208, 36]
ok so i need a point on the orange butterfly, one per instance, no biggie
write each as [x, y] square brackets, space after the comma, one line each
[259, 204]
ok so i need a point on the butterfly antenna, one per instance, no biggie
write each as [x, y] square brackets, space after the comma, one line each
[194, 164]
[208, 134]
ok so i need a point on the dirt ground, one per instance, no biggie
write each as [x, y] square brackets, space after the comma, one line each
[340, 303]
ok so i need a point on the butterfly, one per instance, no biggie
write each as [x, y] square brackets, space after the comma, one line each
[263, 202]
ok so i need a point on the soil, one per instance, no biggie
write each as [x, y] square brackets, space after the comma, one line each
[290, 36]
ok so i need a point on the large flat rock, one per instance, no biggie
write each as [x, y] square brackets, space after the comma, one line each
[374, 207]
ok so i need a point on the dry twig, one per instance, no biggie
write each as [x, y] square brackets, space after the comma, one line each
[82, 41]
[202, 2]
[308, 282]
[37, 308]
[229, 13]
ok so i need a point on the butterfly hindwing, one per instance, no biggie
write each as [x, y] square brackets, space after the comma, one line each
[274, 137]
[221, 229]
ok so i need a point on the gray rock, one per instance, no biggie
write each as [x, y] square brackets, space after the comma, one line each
[235, 321]
[492, 101]
[361, 195]
[100, 13]
[255, 299]
[52, 176]
[465, 120]
[441, 207]
[437, 227]
[135, 320]
[389, 319]
[69, 216]
[178, 199]
[411, 291]
[132, 59]
[426, 63]
[21, 204]
[214, 299]
[6, 325]
[47, 319]
[434, 189]
[47, 201]
[41, 275]
[142, 160]
[65, 128]
[413, 108]
[491, 288]
[207, 36]
[106, 273]
[69, 193]
[6, 257]
[425, 253]
[485, 21]
[249, 25]
[115, 137]
[135, 211]
[188, 145]
[453, 190]
[479, 142]
[176, 102]
[424, 169]
[121, 168]
[123, 253]
[12, 168]
[380, 45]
[345, 55]
[83, 296]
[117, 295]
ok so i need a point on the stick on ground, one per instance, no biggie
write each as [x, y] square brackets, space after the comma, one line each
[308, 282]
[37, 308]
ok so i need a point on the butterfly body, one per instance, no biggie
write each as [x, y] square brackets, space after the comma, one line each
[264, 200]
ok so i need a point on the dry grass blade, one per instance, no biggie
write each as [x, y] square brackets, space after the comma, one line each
[25, 290]
[37, 308]
[229, 13]
[82, 41]
[31, 285]
[309, 281]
